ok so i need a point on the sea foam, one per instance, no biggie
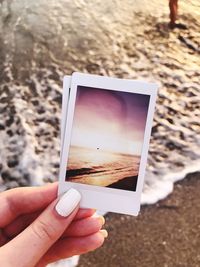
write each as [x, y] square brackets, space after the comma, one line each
[158, 188]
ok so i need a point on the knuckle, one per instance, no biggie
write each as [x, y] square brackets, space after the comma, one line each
[44, 230]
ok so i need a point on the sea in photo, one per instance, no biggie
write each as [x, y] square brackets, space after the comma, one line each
[102, 168]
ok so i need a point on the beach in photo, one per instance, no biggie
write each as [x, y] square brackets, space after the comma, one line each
[107, 138]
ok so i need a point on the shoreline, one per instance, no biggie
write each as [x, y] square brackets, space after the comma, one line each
[164, 234]
[126, 183]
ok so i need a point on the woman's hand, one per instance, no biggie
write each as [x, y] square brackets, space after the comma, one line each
[34, 233]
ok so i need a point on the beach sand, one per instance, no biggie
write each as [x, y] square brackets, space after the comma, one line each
[163, 235]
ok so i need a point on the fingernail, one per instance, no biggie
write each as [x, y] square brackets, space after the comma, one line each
[68, 202]
[104, 233]
[101, 219]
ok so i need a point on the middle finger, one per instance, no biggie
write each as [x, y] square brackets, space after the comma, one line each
[84, 227]
[23, 221]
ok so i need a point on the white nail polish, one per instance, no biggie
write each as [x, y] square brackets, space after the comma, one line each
[68, 202]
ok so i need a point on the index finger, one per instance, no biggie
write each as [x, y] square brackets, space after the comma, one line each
[21, 201]
[24, 200]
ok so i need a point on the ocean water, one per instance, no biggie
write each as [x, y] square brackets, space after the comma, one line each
[40, 42]
[101, 168]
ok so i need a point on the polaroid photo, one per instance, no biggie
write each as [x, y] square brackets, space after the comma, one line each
[105, 141]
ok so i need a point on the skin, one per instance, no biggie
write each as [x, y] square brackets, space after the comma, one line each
[173, 6]
[33, 234]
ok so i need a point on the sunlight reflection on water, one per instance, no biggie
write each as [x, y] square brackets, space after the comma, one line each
[96, 167]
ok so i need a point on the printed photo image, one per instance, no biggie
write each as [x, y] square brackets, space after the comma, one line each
[107, 138]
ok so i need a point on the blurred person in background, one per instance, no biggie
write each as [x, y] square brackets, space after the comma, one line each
[173, 7]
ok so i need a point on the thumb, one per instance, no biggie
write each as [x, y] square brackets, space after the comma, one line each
[29, 246]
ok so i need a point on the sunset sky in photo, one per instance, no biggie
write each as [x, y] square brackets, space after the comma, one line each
[109, 120]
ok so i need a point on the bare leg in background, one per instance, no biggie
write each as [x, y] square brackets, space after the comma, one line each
[173, 6]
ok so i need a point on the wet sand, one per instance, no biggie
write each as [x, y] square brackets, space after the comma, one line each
[127, 183]
[163, 235]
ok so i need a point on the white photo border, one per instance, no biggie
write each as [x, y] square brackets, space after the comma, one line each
[98, 197]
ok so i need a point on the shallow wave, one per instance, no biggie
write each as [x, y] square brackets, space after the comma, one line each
[157, 189]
